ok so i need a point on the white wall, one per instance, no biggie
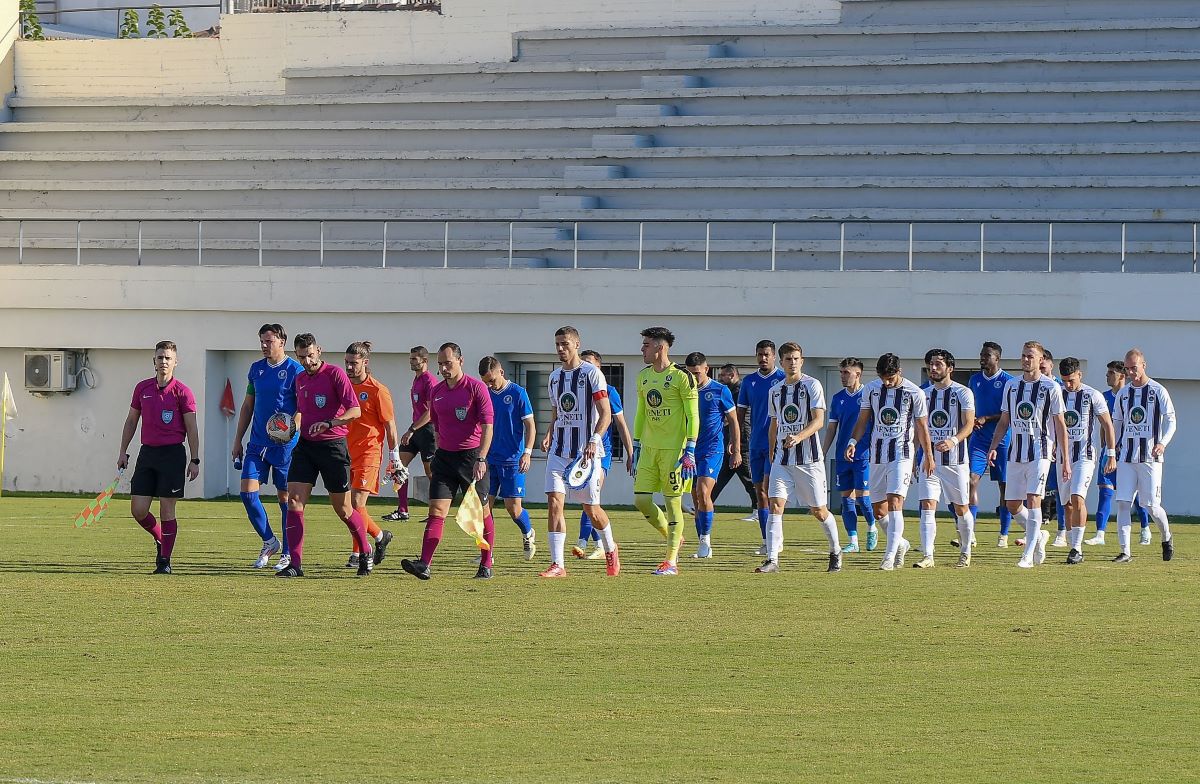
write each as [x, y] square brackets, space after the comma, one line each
[69, 443]
[254, 49]
[10, 31]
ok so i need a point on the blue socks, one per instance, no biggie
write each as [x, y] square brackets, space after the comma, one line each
[974, 511]
[864, 509]
[1062, 514]
[1005, 519]
[522, 522]
[762, 522]
[257, 515]
[704, 521]
[850, 515]
[586, 531]
[1104, 508]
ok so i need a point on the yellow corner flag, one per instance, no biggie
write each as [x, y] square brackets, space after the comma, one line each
[8, 410]
[470, 517]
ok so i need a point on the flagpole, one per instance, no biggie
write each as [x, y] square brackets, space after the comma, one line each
[4, 395]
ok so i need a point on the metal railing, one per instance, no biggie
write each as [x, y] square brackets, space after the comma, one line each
[291, 6]
[756, 237]
[50, 15]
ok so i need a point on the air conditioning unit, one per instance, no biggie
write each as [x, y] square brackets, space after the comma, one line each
[51, 371]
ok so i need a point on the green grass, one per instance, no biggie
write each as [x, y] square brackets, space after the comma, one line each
[220, 673]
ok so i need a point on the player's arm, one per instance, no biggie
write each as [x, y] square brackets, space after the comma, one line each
[245, 415]
[193, 438]
[626, 439]
[814, 424]
[830, 435]
[860, 427]
[1108, 438]
[485, 443]
[967, 426]
[603, 420]
[530, 426]
[639, 427]
[735, 437]
[421, 422]
[1063, 446]
[550, 430]
[923, 441]
[998, 436]
[772, 435]
[345, 418]
[127, 431]
[1168, 423]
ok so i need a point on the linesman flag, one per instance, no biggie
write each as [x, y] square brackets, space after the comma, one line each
[96, 509]
[470, 517]
[8, 410]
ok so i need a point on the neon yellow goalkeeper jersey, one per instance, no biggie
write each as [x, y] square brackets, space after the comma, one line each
[668, 412]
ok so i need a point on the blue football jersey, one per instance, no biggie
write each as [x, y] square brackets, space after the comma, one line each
[754, 395]
[274, 390]
[715, 401]
[614, 402]
[844, 409]
[989, 398]
[510, 407]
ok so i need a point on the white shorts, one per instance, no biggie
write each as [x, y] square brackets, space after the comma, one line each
[1141, 479]
[890, 479]
[805, 483]
[952, 482]
[556, 469]
[1083, 473]
[1026, 479]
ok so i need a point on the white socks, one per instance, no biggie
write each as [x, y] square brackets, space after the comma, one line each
[1159, 515]
[1033, 530]
[966, 532]
[774, 536]
[829, 526]
[558, 542]
[1124, 524]
[928, 531]
[895, 532]
[1075, 538]
[606, 538]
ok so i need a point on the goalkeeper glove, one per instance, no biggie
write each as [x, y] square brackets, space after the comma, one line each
[688, 461]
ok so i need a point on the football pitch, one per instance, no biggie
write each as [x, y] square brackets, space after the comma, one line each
[221, 673]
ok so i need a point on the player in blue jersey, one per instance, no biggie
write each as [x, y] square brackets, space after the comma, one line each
[853, 478]
[988, 388]
[717, 411]
[511, 451]
[754, 396]
[586, 532]
[1050, 503]
[270, 389]
[1115, 378]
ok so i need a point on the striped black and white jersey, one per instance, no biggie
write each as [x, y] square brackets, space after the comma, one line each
[1082, 410]
[946, 409]
[792, 406]
[574, 393]
[1143, 417]
[1031, 407]
[895, 411]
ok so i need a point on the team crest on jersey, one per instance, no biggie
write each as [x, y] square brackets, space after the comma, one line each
[416, 398]
[282, 374]
[708, 396]
[168, 417]
[320, 400]
[939, 419]
[996, 384]
[653, 398]
[1137, 415]
[791, 414]
[261, 371]
[461, 414]
[362, 396]
[1072, 418]
[667, 381]
[889, 416]
[1025, 410]
[567, 402]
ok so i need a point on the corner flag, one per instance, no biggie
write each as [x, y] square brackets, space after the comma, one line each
[470, 517]
[8, 410]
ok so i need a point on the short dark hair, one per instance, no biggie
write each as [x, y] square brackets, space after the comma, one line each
[276, 328]
[1068, 366]
[729, 367]
[990, 345]
[695, 359]
[304, 340]
[850, 362]
[934, 353]
[359, 348]
[420, 351]
[760, 345]
[488, 364]
[1116, 365]
[888, 365]
[453, 348]
[791, 348]
[566, 332]
[591, 353]
[1046, 353]
[659, 333]
[169, 345]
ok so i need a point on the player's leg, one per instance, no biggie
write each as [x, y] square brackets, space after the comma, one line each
[894, 485]
[144, 488]
[358, 501]
[844, 481]
[782, 484]
[335, 468]
[255, 470]
[760, 477]
[645, 485]
[1032, 481]
[702, 487]
[407, 455]
[673, 487]
[812, 490]
[589, 497]
[1125, 492]
[1074, 498]
[556, 526]
[1052, 509]
[1106, 486]
[445, 480]
[509, 484]
[929, 490]
[299, 492]
[172, 464]
[281, 464]
[1150, 491]
[1143, 519]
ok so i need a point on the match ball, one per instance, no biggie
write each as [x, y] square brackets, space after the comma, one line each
[281, 427]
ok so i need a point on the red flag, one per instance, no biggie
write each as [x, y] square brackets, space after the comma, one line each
[227, 406]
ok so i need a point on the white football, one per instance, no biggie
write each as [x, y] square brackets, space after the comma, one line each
[281, 427]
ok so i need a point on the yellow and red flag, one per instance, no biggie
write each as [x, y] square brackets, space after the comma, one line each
[470, 517]
[96, 509]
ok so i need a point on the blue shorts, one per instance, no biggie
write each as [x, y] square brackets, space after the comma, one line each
[1052, 480]
[606, 461]
[505, 481]
[760, 464]
[979, 462]
[1108, 480]
[852, 476]
[261, 461]
[709, 466]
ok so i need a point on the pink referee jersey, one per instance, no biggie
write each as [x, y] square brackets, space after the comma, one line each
[458, 412]
[321, 396]
[422, 388]
[162, 411]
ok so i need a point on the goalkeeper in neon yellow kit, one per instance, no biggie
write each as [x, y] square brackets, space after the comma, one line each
[664, 440]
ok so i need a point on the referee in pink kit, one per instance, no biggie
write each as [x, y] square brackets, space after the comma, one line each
[460, 409]
[167, 410]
